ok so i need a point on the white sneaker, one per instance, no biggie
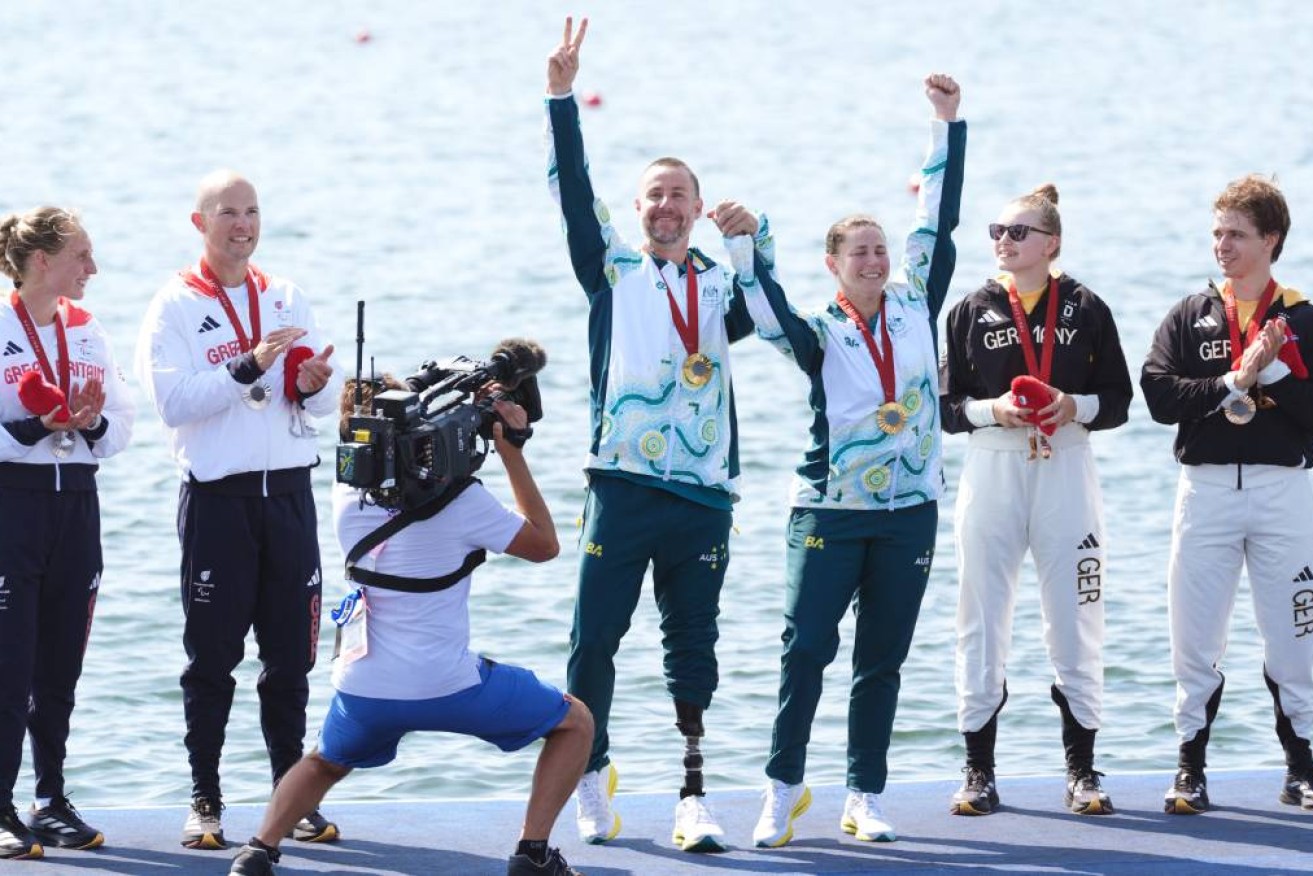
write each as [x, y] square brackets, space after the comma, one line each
[596, 822]
[203, 829]
[865, 820]
[696, 828]
[782, 804]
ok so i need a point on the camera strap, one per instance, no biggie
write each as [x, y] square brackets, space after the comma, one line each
[410, 515]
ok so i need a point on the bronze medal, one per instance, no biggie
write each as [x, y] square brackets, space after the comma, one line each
[891, 417]
[697, 370]
[1239, 410]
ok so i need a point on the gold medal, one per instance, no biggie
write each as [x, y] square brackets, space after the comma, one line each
[1239, 410]
[697, 370]
[891, 417]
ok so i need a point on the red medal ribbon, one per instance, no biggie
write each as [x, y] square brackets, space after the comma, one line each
[252, 306]
[29, 328]
[884, 364]
[688, 331]
[1233, 319]
[1043, 373]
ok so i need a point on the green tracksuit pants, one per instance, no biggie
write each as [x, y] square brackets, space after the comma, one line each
[878, 562]
[626, 527]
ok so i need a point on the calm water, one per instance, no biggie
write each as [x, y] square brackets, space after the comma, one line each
[408, 170]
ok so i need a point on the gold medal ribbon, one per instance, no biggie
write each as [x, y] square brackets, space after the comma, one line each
[688, 329]
[884, 360]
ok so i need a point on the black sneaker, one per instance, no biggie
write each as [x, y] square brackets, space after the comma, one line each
[253, 860]
[1085, 796]
[1297, 790]
[16, 840]
[1188, 794]
[203, 829]
[60, 825]
[978, 794]
[315, 828]
[555, 865]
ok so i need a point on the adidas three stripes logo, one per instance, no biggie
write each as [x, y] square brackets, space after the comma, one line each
[1305, 574]
[209, 325]
[12, 349]
[1089, 544]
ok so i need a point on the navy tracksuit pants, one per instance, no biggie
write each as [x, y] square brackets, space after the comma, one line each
[50, 565]
[248, 560]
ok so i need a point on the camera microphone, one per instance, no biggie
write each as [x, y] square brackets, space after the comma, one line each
[515, 359]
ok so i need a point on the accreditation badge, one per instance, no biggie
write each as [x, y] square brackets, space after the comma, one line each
[351, 617]
[891, 417]
[697, 370]
[1239, 410]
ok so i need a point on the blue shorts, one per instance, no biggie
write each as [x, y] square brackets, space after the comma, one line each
[510, 708]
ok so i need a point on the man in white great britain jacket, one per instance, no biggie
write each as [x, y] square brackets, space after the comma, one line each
[234, 363]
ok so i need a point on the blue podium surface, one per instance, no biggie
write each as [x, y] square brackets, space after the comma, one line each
[1249, 832]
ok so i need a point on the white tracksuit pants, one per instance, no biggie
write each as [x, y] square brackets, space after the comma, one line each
[1265, 525]
[1007, 503]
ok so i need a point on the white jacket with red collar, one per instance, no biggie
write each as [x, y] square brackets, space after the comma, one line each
[185, 344]
[90, 355]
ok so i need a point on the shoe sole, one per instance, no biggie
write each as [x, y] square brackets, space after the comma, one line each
[804, 803]
[30, 855]
[850, 826]
[206, 841]
[58, 842]
[327, 835]
[1182, 806]
[1300, 801]
[965, 807]
[705, 844]
[599, 838]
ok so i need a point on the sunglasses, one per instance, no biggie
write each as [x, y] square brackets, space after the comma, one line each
[1016, 232]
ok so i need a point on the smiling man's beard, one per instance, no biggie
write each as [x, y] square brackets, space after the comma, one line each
[664, 239]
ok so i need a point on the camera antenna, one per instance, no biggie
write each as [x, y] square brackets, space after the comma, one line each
[360, 353]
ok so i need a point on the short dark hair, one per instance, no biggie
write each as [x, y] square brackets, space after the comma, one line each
[1258, 198]
[667, 161]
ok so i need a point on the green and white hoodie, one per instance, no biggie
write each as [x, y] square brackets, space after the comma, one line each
[648, 423]
[851, 464]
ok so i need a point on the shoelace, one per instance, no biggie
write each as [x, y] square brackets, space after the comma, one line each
[590, 794]
[781, 801]
[977, 779]
[869, 806]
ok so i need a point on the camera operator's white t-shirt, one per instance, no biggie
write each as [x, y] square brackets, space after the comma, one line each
[419, 642]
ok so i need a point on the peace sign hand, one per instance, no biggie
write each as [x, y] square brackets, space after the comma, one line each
[563, 62]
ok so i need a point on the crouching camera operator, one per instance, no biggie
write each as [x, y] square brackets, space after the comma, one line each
[404, 664]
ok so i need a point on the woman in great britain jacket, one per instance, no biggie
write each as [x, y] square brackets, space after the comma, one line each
[64, 407]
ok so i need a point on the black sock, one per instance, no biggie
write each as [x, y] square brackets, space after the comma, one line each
[273, 852]
[534, 850]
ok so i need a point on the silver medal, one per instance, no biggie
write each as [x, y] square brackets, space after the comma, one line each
[257, 395]
[63, 446]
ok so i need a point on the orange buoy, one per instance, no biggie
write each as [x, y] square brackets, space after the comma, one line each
[363, 36]
[592, 98]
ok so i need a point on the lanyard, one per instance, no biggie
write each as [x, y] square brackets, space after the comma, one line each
[29, 328]
[688, 330]
[252, 306]
[1045, 372]
[884, 364]
[1233, 318]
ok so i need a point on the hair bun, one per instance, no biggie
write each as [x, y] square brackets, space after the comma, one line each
[1049, 192]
